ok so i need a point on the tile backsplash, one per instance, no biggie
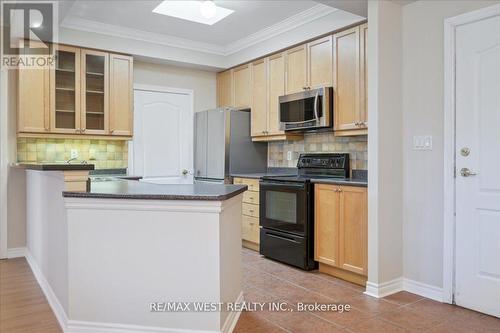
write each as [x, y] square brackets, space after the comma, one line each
[102, 153]
[356, 146]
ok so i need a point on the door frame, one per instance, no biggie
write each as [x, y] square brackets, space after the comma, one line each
[161, 89]
[450, 26]
[4, 90]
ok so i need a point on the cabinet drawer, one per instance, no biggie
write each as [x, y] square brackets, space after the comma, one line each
[253, 184]
[250, 209]
[251, 197]
[250, 229]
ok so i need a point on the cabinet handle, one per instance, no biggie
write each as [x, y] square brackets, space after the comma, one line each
[112, 131]
[340, 190]
[83, 130]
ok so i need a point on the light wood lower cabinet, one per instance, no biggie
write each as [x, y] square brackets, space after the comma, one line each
[225, 97]
[341, 231]
[250, 230]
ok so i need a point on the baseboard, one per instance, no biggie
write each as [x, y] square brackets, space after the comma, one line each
[384, 289]
[233, 317]
[54, 303]
[75, 326]
[424, 290]
[16, 252]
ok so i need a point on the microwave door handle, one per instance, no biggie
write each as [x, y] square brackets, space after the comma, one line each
[316, 106]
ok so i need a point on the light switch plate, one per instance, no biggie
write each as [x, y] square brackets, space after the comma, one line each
[422, 142]
[289, 155]
[74, 153]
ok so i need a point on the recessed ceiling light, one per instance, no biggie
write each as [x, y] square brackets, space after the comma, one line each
[206, 12]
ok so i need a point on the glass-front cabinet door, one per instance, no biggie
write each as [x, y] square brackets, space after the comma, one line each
[65, 90]
[94, 92]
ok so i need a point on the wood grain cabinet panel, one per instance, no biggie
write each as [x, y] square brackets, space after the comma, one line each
[353, 229]
[33, 100]
[326, 224]
[341, 229]
[319, 63]
[259, 98]
[225, 89]
[346, 79]
[276, 89]
[363, 108]
[296, 69]
[121, 95]
[242, 77]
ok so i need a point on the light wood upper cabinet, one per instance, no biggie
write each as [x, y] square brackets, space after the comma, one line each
[276, 88]
[33, 100]
[94, 92]
[296, 69]
[346, 79]
[353, 229]
[225, 88]
[350, 81]
[326, 226]
[65, 83]
[87, 92]
[242, 77]
[363, 108]
[341, 227]
[259, 98]
[121, 95]
[319, 62]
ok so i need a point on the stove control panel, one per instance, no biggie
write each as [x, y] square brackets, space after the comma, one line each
[324, 161]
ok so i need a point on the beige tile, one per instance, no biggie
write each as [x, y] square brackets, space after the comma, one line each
[376, 325]
[403, 297]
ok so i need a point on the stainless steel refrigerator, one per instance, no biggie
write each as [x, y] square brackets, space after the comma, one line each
[223, 145]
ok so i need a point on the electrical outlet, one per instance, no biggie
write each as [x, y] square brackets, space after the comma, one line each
[74, 153]
[289, 155]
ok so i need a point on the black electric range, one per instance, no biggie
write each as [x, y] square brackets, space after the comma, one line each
[287, 209]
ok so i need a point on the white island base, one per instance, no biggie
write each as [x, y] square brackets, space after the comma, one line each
[103, 262]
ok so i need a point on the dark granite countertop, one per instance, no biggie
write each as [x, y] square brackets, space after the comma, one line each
[54, 166]
[341, 181]
[131, 189]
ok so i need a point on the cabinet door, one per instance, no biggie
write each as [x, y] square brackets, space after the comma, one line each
[65, 91]
[353, 229]
[276, 87]
[346, 79]
[225, 88]
[326, 224]
[94, 92]
[242, 86]
[259, 98]
[33, 102]
[363, 112]
[319, 63]
[121, 95]
[296, 69]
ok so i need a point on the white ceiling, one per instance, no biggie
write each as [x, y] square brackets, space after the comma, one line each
[248, 18]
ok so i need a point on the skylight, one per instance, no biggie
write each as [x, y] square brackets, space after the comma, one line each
[205, 12]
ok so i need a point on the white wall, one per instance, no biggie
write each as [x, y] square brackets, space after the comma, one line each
[385, 216]
[423, 101]
[202, 82]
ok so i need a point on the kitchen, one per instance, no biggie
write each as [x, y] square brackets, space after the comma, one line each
[251, 159]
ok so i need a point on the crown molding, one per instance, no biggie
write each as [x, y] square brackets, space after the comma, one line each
[307, 16]
[295, 21]
[77, 23]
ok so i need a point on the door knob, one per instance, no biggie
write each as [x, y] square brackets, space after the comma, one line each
[465, 151]
[185, 172]
[465, 172]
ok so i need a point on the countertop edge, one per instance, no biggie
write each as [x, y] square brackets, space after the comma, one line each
[54, 167]
[358, 183]
[222, 197]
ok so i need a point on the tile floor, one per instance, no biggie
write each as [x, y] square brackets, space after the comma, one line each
[268, 281]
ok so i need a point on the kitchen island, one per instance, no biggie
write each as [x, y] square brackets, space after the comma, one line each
[113, 258]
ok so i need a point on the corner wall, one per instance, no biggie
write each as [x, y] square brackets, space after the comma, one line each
[385, 160]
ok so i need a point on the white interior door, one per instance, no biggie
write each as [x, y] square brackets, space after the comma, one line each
[162, 148]
[477, 243]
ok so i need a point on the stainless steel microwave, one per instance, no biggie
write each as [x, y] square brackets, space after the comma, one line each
[305, 110]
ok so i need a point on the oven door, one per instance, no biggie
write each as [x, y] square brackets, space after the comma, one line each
[284, 206]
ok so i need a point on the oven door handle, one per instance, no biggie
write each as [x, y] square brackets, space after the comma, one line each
[281, 237]
[281, 185]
